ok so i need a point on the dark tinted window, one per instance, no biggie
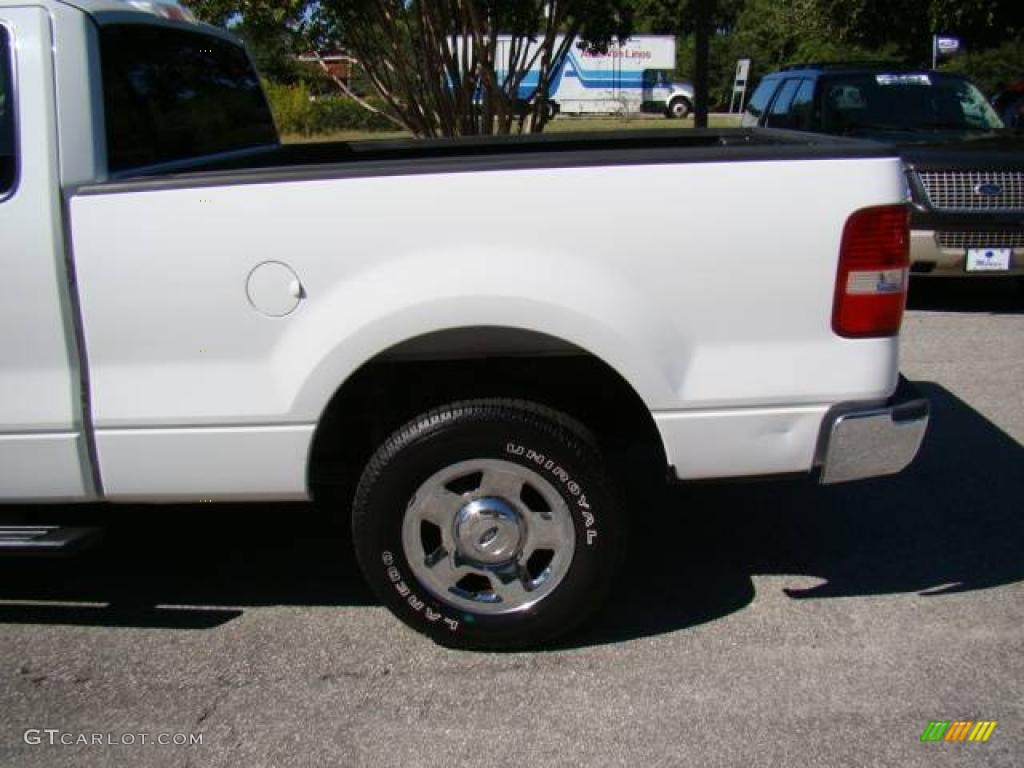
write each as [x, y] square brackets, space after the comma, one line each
[170, 95]
[763, 94]
[778, 116]
[8, 160]
[802, 109]
[904, 101]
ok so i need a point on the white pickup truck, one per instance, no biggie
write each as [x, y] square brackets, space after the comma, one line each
[192, 311]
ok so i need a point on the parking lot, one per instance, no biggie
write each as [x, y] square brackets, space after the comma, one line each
[770, 624]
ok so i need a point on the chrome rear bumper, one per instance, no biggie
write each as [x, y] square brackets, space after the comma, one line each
[860, 441]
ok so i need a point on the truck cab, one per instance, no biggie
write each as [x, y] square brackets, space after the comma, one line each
[90, 128]
[662, 94]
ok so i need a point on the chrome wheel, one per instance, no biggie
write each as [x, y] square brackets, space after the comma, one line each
[488, 536]
[488, 524]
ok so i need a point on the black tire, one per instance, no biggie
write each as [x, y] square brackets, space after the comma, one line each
[678, 108]
[520, 439]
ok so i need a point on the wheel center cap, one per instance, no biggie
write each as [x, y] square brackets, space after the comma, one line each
[488, 530]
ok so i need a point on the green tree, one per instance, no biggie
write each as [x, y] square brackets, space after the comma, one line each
[274, 33]
[439, 64]
[458, 67]
[899, 31]
[908, 26]
[677, 16]
[991, 69]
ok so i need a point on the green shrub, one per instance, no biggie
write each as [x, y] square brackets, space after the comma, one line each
[291, 106]
[338, 113]
[296, 112]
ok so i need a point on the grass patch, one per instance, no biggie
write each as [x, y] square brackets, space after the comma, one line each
[563, 124]
[653, 123]
[298, 138]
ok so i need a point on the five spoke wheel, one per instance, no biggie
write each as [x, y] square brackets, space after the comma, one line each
[488, 535]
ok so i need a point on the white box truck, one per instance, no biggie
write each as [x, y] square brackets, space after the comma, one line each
[630, 77]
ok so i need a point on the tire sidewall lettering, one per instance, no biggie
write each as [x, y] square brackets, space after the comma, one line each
[572, 490]
[416, 600]
[558, 452]
[432, 612]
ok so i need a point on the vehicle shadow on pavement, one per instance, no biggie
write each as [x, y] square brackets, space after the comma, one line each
[993, 295]
[162, 565]
[952, 522]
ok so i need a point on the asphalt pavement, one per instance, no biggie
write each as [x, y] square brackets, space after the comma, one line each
[765, 624]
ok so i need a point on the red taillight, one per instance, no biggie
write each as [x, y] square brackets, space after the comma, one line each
[871, 287]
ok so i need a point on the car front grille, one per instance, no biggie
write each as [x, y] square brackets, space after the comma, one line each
[974, 190]
[981, 239]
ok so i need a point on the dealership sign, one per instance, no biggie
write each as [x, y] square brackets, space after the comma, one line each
[944, 45]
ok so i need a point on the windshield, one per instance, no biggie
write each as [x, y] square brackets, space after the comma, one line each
[905, 101]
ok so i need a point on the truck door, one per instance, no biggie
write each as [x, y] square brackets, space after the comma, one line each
[42, 448]
[656, 87]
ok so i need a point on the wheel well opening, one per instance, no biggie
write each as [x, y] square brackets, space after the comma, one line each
[441, 368]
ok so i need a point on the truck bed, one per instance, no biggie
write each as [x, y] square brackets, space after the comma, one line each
[699, 266]
[561, 150]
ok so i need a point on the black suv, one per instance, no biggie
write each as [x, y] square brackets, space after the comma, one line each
[965, 170]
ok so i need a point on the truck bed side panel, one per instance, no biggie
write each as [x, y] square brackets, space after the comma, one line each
[708, 286]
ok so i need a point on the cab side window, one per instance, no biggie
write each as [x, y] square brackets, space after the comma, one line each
[778, 115]
[8, 157]
[174, 95]
[759, 101]
[801, 111]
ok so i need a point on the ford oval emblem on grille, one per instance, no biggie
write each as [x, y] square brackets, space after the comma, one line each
[988, 190]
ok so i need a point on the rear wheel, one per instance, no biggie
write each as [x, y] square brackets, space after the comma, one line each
[488, 524]
[678, 108]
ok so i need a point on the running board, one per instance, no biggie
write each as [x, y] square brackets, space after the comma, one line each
[45, 540]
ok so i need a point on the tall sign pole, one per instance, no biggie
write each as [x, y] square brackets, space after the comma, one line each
[702, 31]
